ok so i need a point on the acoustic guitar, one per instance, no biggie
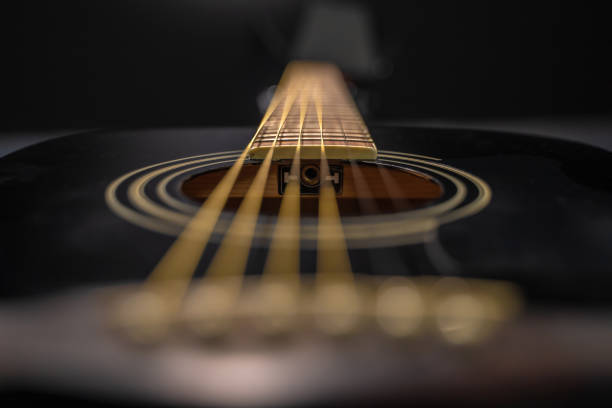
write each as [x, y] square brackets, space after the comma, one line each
[311, 261]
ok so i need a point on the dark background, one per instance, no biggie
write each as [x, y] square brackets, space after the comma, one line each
[125, 63]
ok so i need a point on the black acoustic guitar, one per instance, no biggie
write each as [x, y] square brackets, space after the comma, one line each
[309, 261]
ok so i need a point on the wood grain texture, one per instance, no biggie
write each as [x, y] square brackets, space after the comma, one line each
[414, 190]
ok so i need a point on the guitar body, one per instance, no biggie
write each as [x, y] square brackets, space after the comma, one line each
[547, 229]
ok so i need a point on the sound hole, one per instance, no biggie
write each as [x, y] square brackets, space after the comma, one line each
[366, 189]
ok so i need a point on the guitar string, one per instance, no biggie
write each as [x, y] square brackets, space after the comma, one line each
[279, 289]
[392, 261]
[283, 256]
[391, 187]
[337, 303]
[159, 299]
[364, 195]
[215, 298]
[171, 276]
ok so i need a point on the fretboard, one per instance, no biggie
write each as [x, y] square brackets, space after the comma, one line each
[310, 108]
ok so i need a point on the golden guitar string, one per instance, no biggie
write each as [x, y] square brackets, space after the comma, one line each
[137, 196]
[159, 225]
[337, 304]
[182, 258]
[365, 197]
[342, 135]
[279, 290]
[146, 315]
[209, 309]
[391, 186]
[481, 201]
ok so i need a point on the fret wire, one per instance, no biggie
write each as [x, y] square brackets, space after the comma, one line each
[312, 132]
[312, 136]
[334, 119]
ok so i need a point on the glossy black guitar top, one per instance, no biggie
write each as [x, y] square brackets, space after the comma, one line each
[547, 226]
[547, 229]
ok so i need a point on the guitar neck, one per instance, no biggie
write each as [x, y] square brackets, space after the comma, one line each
[312, 109]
